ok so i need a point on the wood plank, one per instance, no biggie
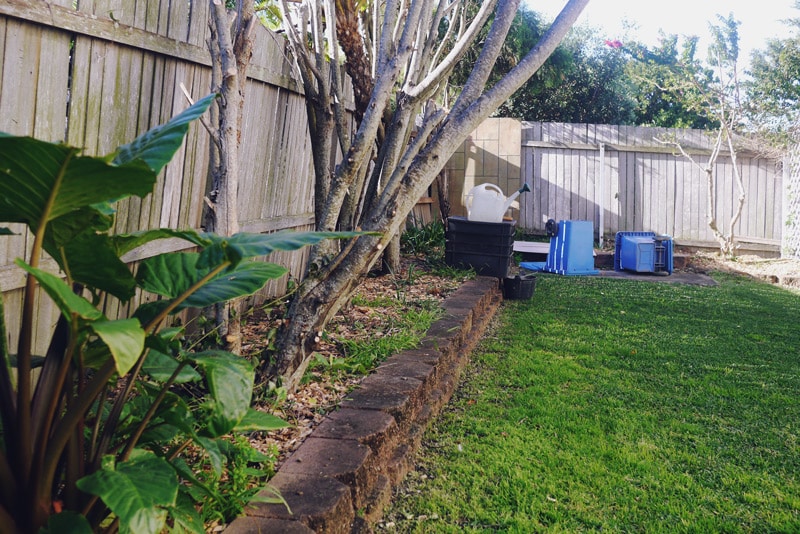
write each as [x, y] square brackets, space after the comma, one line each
[103, 27]
[17, 99]
[772, 228]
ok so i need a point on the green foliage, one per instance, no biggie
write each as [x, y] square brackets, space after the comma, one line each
[590, 79]
[96, 443]
[773, 94]
[224, 498]
[621, 406]
[425, 239]
[666, 82]
[428, 241]
[582, 82]
[269, 13]
[362, 355]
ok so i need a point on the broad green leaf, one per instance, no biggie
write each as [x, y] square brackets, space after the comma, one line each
[256, 420]
[32, 170]
[68, 302]
[249, 245]
[135, 490]
[93, 261]
[159, 434]
[245, 279]
[64, 229]
[149, 519]
[160, 367]
[124, 338]
[67, 521]
[95, 354]
[230, 382]
[215, 456]
[173, 274]
[180, 416]
[169, 274]
[157, 146]
[125, 243]
[167, 340]
[186, 517]
[149, 310]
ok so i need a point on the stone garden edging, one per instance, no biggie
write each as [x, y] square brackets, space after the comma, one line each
[341, 478]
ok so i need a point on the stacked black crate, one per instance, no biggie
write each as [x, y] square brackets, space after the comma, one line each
[484, 246]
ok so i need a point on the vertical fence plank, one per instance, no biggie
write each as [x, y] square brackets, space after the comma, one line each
[116, 90]
[648, 186]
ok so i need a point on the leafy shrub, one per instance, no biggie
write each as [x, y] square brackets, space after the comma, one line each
[96, 439]
[425, 239]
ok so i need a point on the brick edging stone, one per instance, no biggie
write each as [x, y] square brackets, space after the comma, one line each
[341, 478]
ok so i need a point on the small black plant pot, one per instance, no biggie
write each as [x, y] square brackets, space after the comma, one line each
[519, 287]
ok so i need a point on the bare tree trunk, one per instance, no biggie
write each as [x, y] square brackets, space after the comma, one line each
[391, 256]
[727, 241]
[231, 49]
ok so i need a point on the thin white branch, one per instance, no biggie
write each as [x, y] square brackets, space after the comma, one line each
[423, 28]
[455, 8]
[442, 70]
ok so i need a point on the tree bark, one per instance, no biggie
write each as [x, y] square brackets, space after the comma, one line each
[231, 49]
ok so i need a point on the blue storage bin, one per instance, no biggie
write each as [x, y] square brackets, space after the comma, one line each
[572, 249]
[643, 252]
[638, 254]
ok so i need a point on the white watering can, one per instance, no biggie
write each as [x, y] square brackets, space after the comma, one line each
[487, 203]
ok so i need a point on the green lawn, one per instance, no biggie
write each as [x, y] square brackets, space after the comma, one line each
[621, 406]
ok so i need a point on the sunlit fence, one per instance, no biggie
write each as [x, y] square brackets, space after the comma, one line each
[791, 205]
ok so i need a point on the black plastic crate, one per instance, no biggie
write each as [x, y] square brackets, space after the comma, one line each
[461, 225]
[481, 239]
[479, 247]
[484, 264]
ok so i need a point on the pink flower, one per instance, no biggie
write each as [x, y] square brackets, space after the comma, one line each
[613, 44]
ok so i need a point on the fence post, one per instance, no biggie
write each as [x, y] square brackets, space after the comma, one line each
[601, 186]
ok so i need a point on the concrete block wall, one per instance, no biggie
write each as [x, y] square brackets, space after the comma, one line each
[491, 154]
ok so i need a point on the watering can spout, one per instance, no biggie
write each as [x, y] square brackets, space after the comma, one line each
[513, 197]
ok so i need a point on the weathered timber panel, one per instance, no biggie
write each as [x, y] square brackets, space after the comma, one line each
[646, 185]
[99, 74]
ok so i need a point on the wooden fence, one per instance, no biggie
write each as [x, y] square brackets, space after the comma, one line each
[620, 178]
[98, 75]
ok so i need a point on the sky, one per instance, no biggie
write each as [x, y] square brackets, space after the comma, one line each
[760, 19]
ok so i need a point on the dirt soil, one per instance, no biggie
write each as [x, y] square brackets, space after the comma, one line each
[388, 297]
[307, 407]
[783, 271]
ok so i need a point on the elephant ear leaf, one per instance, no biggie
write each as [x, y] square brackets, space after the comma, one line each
[138, 490]
[230, 382]
[40, 181]
[67, 521]
[157, 146]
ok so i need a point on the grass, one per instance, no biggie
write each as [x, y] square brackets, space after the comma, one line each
[362, 355]
[621, 406]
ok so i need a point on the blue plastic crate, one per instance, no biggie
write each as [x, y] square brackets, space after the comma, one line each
[572, 249]
[643, 252]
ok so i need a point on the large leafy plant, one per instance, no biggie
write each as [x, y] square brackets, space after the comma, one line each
[93, 431]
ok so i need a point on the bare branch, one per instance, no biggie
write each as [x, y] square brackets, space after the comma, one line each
[443, 69]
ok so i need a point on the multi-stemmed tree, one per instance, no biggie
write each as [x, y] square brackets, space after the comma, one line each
[398, 55]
